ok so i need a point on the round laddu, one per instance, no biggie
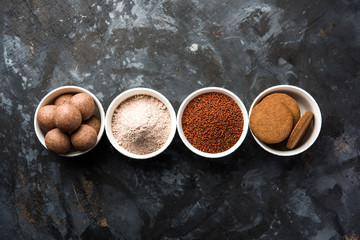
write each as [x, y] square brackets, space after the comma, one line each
[65, 98]
[287, 101]
[271, 123]
[84, 138]
[57, 141]
[299, 130]
[85, 103]
[93, 122]
[46, 117]
[67, 118]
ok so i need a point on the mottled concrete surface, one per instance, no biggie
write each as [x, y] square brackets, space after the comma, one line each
[245, 46]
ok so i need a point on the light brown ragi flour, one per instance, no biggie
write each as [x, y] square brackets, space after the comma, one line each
[141, 124]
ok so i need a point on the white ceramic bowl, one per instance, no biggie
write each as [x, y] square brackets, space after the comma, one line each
[50, 99]
[130, 93]
[305, 102]
[200, 92]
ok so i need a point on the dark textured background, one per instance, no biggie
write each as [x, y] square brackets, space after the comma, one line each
[244, 46]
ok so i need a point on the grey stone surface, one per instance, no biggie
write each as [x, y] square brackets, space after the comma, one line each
[244, 46]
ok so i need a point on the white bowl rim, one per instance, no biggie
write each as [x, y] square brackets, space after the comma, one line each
[133, 92]
[72, 89]
[317, 120]
[238, 102]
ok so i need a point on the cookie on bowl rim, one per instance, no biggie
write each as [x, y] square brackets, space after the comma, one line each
[300, 130]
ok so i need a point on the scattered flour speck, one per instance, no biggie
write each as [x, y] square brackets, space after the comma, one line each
[194, 47]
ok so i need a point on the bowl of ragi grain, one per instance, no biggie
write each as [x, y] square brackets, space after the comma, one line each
[212, 122]
[140, 123]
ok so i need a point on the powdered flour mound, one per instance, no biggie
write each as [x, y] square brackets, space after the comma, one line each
[141, 124]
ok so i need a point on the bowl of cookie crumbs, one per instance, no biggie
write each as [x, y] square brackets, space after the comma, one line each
[285, 120]
[140, 123]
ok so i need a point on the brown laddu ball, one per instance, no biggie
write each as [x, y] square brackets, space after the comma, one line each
[84, 138]
[67, 118]
[57, 141]
[46, 117]
[85, 103]
[65, 98]
[93, 122]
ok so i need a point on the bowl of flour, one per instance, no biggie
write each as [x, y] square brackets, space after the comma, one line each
[140, 123]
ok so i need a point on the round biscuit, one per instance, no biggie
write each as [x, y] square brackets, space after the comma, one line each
[299, 130]
[287, 101]
[271, 122]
